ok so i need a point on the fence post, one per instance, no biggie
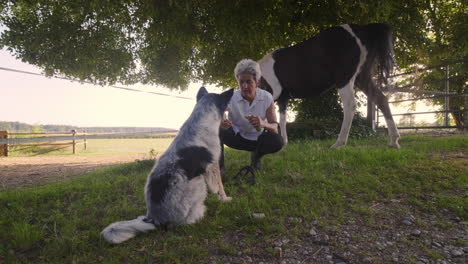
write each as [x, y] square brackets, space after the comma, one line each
[446, 117]
[371, 114]
[85, 140]
[4, 147]
[465, 110]
[74, 140]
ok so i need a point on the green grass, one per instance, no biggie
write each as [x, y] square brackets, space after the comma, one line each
[60, 223]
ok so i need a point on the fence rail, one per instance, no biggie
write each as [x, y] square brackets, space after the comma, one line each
[47, 139]
[73, 138]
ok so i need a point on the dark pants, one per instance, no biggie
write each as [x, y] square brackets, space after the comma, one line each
[266, 143]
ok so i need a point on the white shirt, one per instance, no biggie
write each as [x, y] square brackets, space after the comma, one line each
[238, 108]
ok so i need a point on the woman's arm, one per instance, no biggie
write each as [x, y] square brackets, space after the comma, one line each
[270, 124]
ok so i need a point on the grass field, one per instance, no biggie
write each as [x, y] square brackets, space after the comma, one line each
[101, 147]
[360, 190]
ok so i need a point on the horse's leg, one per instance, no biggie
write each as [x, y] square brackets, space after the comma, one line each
[283, 104]
[349, 106]
[376, 96]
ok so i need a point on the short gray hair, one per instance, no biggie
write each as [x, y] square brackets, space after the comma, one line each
[248, 66]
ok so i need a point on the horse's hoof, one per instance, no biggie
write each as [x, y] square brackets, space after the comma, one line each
[338, 145]
[394, 143]
[226, 199]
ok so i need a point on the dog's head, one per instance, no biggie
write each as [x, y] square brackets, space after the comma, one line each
[220, 100]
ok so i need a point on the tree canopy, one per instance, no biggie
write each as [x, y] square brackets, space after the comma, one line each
[173, 42]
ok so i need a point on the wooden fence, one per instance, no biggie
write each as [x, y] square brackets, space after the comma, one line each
[67, 139]
[3, 147]
[40, 139]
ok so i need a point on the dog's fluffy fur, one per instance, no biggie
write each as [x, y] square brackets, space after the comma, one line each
[176, 188]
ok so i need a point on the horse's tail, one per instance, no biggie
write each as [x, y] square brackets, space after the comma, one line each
[377, 38]
[119, 232]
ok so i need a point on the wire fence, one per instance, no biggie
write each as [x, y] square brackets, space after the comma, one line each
[87, 82]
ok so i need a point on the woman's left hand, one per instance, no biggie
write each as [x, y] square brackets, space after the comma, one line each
[255, 121]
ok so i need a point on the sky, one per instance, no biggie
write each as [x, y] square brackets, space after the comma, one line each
[40, 100]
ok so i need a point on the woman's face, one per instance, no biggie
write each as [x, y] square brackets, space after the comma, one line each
[248, 86]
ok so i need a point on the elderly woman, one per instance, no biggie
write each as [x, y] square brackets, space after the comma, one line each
[251, 123]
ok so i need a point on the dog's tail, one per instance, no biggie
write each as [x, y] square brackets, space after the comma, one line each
[119, 232]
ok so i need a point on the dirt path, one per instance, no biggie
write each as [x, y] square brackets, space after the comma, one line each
[28, 171]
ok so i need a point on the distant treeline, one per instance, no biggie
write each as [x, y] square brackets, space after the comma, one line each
[13, 127]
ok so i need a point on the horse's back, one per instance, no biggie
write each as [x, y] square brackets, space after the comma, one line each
[328, 59]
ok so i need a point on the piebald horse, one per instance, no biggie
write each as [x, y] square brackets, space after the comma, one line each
[336, 58]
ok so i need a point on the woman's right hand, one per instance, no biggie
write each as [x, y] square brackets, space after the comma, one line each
[225, 124]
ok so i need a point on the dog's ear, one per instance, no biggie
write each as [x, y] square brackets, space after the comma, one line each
[201, 93]
[224, 99]
[227, 95]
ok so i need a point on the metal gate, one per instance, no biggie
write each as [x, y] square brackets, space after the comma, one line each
[374, 115]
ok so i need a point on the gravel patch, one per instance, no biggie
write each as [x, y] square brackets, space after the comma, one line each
[18, 172]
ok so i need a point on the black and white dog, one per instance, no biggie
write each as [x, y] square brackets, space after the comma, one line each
[176, 188]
